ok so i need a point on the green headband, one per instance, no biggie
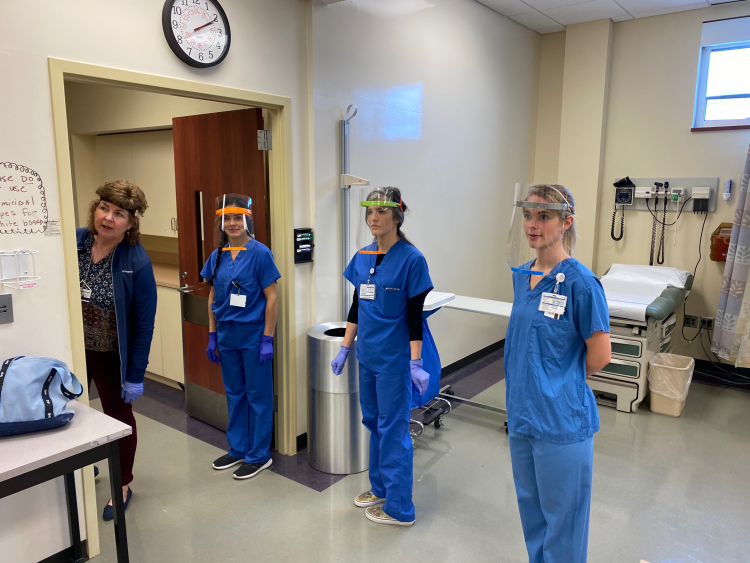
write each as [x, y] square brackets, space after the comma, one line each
[378, 204]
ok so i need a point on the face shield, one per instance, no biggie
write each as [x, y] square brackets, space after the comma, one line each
[380, 210]
[537, 223]
[234, 219]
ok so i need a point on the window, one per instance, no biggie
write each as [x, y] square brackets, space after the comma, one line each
[723, 91]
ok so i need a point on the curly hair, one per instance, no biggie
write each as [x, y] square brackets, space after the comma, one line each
[126, 195]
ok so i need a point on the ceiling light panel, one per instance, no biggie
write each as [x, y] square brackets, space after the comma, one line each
[635, 6]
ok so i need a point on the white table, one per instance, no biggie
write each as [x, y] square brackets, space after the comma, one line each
[482, 306]
[31, 459]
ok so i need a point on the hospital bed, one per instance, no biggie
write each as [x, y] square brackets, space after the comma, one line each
[641, 325]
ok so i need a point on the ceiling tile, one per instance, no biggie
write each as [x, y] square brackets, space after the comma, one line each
[690, 6]
[507, 7]
[634, 6]
[550, 4]
[589, 11]
[622, 18]
[553, 29]
[535, 20]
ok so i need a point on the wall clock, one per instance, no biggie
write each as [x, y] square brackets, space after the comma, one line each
[197, 31]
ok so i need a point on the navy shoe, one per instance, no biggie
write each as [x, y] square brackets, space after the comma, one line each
[96, 471]
[109, 510]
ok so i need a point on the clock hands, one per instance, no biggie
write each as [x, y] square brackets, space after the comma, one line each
[216, 18]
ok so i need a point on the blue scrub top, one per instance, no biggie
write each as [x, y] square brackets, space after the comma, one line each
[545, 359]
[254, 270]
[382, 329]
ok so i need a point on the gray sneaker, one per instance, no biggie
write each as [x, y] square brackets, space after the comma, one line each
[248, 470]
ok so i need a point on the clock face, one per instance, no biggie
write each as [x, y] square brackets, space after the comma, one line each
[197, 31]
[624, 196]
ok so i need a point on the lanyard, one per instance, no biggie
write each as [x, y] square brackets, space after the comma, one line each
[91, 263]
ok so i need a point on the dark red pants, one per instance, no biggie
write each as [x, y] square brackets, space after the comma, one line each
[104, 369]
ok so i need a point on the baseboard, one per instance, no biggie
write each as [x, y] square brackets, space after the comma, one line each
[163, 380]
[302, 442]
[720, 378]
[471, 358]
[66, 555]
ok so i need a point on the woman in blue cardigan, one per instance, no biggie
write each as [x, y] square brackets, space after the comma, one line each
[118, 296]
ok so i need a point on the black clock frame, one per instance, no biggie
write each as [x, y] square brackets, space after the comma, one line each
[166, 24]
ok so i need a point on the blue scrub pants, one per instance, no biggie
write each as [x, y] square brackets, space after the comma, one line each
[249, 387]
[553, 486]
[386, 410]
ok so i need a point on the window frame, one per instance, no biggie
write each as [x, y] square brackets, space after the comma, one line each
[699, 110]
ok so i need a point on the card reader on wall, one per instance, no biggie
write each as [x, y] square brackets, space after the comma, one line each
[303, 246]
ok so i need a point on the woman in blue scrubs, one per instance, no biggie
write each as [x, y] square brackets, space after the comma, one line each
[558, 336]
[242, 319]
[391, 282]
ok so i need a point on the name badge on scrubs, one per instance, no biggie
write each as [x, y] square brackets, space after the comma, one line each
[367, 291]
[553, 305]
[237, 300]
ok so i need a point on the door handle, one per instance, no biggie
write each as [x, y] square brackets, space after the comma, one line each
[185, 289]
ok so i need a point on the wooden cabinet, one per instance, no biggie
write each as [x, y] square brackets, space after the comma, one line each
[166, 357]
[147, 160]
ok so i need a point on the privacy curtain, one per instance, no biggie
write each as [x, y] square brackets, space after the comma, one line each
[731, 339]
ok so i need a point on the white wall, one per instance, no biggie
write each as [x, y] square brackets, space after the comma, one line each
[268, 54]
[446, 98]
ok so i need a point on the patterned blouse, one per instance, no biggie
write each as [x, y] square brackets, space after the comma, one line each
[99, 317]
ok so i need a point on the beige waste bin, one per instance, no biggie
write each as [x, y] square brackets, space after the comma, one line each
[669, 378]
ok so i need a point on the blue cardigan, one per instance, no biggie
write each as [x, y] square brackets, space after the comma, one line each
[135, 305]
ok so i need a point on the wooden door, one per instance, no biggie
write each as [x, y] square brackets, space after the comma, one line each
[214, 154]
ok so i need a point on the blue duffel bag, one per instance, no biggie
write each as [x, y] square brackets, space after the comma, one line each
[34, 394]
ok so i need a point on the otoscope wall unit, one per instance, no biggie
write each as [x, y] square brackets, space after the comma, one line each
[686, 194]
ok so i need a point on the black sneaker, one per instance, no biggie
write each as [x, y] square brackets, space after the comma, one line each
[248, 470]
[227, 461]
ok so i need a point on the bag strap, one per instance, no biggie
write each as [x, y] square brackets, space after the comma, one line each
[68, 395]
[4, 370]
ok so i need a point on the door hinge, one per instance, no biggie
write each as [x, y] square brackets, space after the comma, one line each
[265, 142]
[275, 403]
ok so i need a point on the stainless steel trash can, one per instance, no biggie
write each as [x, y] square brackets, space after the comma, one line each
[337, 441]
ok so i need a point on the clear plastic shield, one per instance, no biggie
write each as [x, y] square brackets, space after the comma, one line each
[234, 220]
[378, 208]
[536, 223]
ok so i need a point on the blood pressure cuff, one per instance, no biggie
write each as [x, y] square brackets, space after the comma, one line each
[34, 393]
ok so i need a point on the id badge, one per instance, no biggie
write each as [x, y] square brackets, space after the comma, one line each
[553, 305]
[85, 292]
[237, 300]
[367, 291]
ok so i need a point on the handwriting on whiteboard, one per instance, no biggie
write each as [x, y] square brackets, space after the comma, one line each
[23, 205]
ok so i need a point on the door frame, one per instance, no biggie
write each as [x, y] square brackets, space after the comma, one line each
[282, 215]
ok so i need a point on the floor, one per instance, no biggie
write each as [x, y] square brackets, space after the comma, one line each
[665, 490]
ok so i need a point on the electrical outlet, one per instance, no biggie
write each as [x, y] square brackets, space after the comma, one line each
[707, 323]
[690, 321]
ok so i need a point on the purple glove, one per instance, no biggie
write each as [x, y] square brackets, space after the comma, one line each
[338, 363]
[131, 391]
[419, 377]
[266, 348]
[213, 348]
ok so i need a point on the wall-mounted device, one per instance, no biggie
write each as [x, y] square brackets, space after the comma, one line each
[644, 192]
[6, 308]
[624, 192]
[727, 190]
[303, 246]
[700, 196]
[17, 269]
[624, 196]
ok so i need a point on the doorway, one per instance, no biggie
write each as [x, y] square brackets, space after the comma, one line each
[277, 112]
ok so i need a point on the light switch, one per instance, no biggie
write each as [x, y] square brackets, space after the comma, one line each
[6, 308]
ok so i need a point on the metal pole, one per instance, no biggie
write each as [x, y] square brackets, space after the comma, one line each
[345, 194]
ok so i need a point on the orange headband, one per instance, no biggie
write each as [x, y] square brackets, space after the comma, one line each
[234, 210]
